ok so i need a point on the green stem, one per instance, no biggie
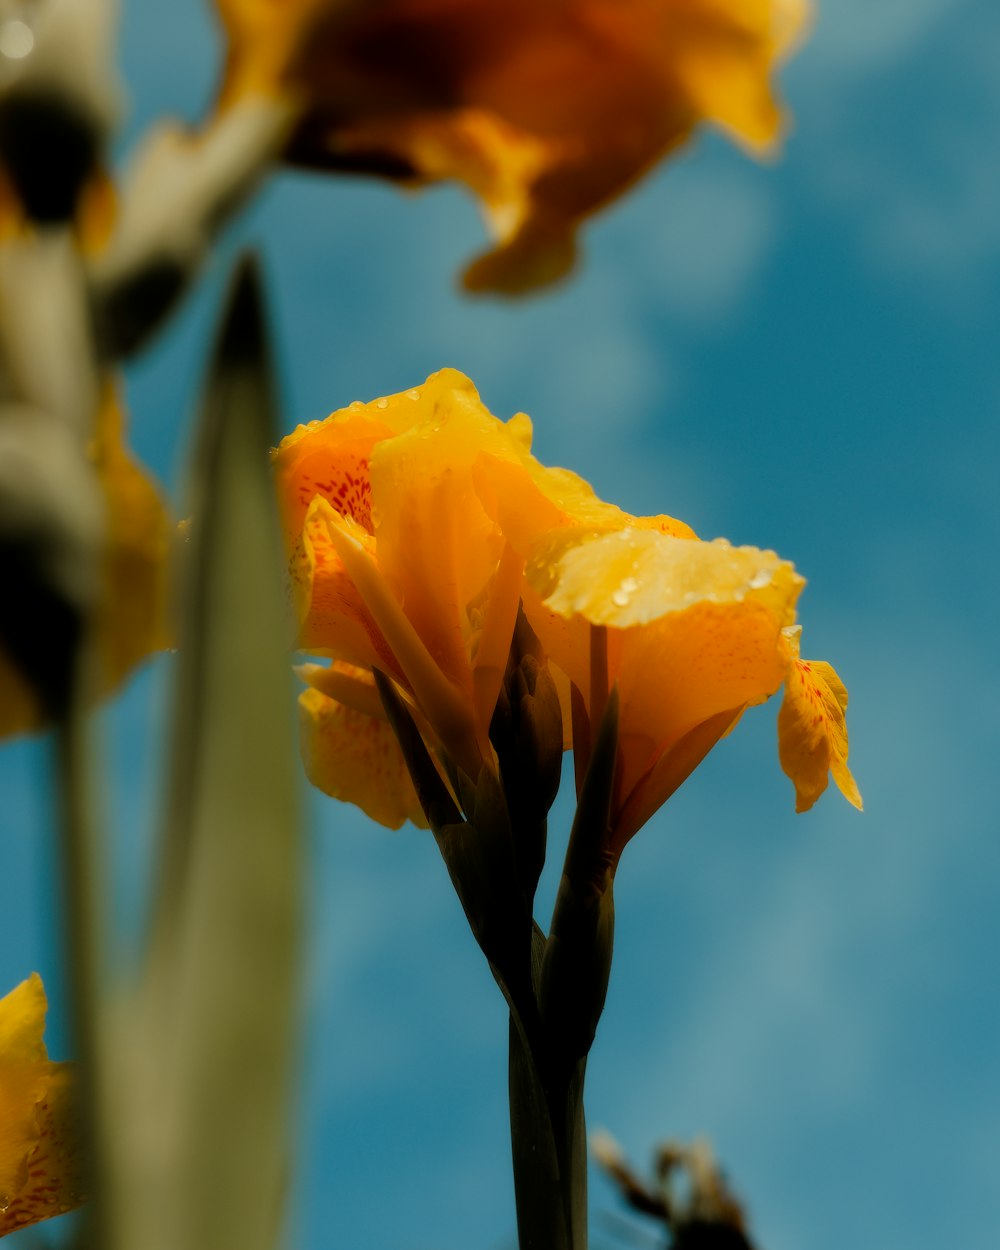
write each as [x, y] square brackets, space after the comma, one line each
[73, 768]
[549, 1151]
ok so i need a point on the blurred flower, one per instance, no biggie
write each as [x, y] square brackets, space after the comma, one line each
[40, 1164]
[395, 564]
[692, 632]
[131, 617]
[546, 111]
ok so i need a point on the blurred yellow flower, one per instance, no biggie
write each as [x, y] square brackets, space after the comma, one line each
[131, 620]
[546, 111]
[395, 564]
[40, 1164]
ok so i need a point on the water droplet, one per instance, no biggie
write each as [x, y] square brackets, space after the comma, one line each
[16, 39]
[620, 598]
[630, 585]
[413, 393]
[381, 403]
[760, 580]
[721, 542]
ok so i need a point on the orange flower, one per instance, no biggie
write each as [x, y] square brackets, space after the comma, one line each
[40, 1166]
[546, 111]
[415, 525]
[396, 565]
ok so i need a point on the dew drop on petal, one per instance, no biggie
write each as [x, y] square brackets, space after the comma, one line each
[381, 403]
[760, 580]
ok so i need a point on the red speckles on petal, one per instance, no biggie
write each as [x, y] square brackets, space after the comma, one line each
[344, 482]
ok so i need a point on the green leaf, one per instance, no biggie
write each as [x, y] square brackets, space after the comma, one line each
[207, 1076]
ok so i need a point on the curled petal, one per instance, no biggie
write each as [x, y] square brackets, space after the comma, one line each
[354, 756]
[812, 730]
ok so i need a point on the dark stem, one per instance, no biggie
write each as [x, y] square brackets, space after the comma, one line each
[547, 1130]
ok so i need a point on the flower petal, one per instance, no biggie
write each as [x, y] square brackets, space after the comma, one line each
[545, 111]
[40, 1166]
[812, 729]
[133, 616]
[355, 757]
[132, 619]
[693, 628]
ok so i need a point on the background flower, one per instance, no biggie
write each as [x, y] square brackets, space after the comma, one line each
[545, 111]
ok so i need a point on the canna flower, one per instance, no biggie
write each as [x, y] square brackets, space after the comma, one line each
[691, 632]
[40, 1164]
[395, 564]
[131, 617]
[545, 111]
[416, 524]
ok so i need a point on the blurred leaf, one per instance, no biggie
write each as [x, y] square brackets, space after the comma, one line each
[211, 1060]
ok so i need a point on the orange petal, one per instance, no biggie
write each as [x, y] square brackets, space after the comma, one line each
[812, 729]
[355, 757]
[693, 628]
[40, 1164]
[133, 614]
[546, 111]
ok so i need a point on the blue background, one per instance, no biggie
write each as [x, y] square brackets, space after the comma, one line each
[799, 356]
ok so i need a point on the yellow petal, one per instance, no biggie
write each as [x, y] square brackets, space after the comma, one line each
[694, 629]
[133, 615]
[40, 1164]
[812, 729]
[394, 560]
[355, 757]
[132, 618]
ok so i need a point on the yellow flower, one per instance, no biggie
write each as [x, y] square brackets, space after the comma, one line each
[131, 620]
[40, 1165]
[395, 564]
[692, 632]
[546, 111]
[415, 525]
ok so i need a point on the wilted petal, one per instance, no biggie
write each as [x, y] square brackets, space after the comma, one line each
[351, 754]
[812, 729]
[40, 1164]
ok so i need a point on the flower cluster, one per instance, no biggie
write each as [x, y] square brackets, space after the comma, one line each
[417, 525]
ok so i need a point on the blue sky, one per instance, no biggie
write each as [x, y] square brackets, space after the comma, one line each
[799, 356]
